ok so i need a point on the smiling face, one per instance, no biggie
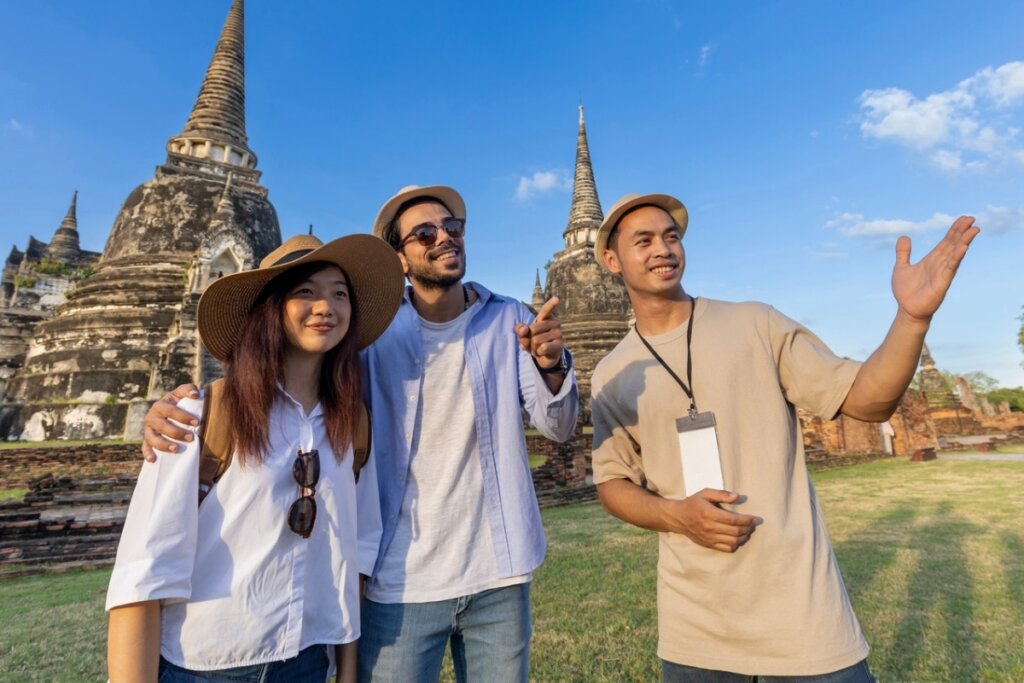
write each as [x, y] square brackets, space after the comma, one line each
[438, 266]
[647, 252]
[316, 312]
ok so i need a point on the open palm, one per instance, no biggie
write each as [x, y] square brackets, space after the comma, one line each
[919, 288]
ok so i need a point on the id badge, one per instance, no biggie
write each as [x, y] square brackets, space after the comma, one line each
[698, 450]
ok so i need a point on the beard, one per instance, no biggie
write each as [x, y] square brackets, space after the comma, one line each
[435, 277]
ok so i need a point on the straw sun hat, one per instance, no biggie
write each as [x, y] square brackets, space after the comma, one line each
[371, 267]
[442, 193]
[668, 203]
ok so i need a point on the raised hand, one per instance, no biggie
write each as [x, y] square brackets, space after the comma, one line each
[919, 288]
[543, 337]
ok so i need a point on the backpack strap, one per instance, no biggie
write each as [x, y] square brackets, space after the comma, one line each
[362, 439]
[214, 439]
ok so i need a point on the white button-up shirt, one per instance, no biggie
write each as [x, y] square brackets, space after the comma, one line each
[237, 586]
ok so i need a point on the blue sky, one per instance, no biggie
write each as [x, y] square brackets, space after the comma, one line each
[802, 136]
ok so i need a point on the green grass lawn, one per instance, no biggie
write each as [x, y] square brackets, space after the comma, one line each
[933, 555]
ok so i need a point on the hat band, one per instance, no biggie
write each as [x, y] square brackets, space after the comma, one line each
[293, 256]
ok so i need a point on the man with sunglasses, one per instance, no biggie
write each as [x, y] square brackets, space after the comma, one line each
[447, 385]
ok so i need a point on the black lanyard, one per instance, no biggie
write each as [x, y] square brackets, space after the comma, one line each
[689, 364]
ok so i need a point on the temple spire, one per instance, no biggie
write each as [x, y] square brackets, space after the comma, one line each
[215, 129]
[538, 293]
[225, 209]
[585, 215]
[64, 245]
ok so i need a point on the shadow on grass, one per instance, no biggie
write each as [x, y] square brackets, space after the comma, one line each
[869, 550]
[940, 588]
[1013, 569]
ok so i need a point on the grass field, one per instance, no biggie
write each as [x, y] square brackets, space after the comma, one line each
[933, 555]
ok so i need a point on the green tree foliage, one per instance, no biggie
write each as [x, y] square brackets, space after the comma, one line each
[1015, 397]
[1020, 334]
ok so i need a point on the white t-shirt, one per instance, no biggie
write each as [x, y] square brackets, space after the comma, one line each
[442, 546]
[238, 587]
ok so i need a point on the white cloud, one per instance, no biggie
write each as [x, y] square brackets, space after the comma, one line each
[855, 225]
[1000, 219]
[543, 182]
[1004, 86]
[993, 220]
[705, 55]
[973, 118]
[15, 124]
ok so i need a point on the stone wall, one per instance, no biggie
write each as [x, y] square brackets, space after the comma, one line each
[19, 466]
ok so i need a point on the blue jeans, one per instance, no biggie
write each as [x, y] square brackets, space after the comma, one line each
[489, 634]
[680, 673]
[309, 666]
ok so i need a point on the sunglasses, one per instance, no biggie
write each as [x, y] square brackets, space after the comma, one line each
[306, 470]
[426, 234]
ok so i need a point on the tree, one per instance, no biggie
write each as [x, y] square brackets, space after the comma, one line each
[1020, 333]
[978, 381]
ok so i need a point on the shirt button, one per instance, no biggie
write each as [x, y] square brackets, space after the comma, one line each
[408, 435]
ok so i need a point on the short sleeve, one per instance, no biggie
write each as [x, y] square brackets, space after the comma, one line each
[615, 454]
[811, 376]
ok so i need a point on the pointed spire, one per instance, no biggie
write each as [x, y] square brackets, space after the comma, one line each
[225, 208]
[585, 215]
[927, 362]
[538, 293]
[216, 127]
[64, 245]
[71, 219]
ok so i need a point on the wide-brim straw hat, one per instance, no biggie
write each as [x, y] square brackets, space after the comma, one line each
[670, 204]
[442, 193]
[371, 267]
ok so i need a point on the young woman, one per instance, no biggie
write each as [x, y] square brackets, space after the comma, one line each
[260, 581]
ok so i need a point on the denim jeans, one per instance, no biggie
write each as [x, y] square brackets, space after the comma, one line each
[309, 666]
[679, 673]
[489, 634]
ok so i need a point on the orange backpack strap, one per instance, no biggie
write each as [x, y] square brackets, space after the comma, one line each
[361, 440]
[214, 438]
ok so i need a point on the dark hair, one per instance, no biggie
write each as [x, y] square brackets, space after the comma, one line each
[392, 232]
[256, 366]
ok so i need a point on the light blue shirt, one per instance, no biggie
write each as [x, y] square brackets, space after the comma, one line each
[505, 382]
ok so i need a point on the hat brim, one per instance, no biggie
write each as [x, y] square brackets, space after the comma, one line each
[668, 203]
[371, 267]
[442, 193]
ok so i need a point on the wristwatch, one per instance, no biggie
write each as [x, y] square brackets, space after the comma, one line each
[562, 367]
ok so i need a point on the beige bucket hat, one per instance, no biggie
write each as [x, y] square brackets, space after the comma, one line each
[371, 266]
[670, 204]
[442, 193]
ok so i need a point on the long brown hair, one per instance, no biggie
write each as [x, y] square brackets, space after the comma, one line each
[256, 366]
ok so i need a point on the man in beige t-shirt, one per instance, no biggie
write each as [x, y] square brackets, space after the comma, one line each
[747, 581]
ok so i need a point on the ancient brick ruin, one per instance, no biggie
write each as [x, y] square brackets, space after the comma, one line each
[126, 332]
[35, 283]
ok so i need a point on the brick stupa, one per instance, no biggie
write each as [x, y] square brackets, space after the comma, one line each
[126, 334]
[593, 304]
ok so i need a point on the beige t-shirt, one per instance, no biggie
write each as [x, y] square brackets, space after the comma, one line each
[777, 606]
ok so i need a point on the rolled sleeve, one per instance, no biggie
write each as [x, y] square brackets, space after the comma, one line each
[156, 553]
[554, 415]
